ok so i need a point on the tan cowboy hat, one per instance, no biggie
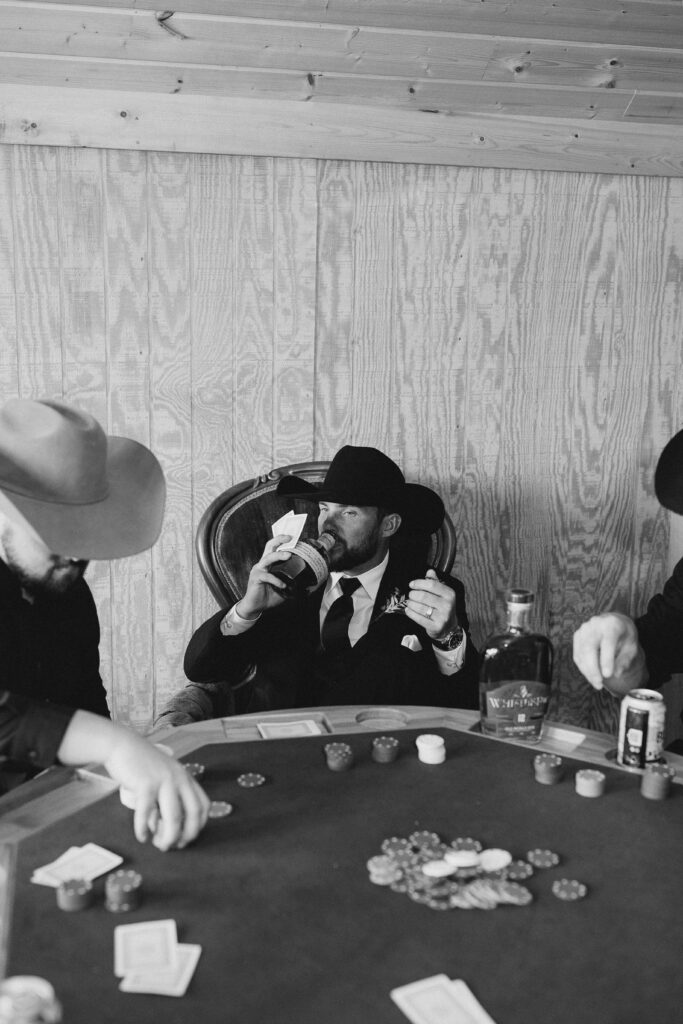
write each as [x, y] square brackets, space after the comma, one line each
[87, 495]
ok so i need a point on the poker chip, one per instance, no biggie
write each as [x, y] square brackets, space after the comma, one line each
[548, 769]
[543, 858]
[384, 749]
[74, 894]
[394, 844]
[569, 889]
[656, 781]
[431, 749]
[462, 858]
[339, 756]
[590, 782]
[494, 860]
[423, 838]
[123, 890]
[195, 769]
[467, 844]
[250, 780]
[437, 869]
[220, 809]
[518, 870]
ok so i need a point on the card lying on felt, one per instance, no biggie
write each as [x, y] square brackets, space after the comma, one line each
[150, 960]
[438, 1000]
[172, 981]
[88, 862]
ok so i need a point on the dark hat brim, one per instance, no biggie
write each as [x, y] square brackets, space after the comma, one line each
[669, 475]
[420, 508]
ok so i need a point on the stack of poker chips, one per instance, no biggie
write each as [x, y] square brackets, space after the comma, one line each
[431, 749]
[590, 782]
[74, 894]
[384, 749]
[548, 769]
[656, 781]
[26, 999]
[195, 769]
[339, 756]
[123, 890]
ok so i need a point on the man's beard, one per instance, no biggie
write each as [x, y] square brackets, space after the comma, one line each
[343, 557]
[58, 575]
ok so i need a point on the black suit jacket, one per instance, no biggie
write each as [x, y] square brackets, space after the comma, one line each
[280, 658]
[660, 630]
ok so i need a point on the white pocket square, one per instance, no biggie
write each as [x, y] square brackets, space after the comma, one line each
[411, 642]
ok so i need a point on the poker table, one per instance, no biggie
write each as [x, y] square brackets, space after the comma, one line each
[279, 897]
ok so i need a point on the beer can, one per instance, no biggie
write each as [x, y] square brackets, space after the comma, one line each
[641, 728]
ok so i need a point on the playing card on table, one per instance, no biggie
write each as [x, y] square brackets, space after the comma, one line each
[466, 998]
[432, 1001]
[285, 730]
[87, 862]
[291, 524]
[172, 981]
[145, 947]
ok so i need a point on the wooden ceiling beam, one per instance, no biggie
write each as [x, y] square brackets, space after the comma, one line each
[117, 120]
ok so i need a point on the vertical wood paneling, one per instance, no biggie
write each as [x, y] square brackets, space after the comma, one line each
[512, 338]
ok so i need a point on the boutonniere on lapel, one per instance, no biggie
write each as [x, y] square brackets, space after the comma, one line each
[396, 602]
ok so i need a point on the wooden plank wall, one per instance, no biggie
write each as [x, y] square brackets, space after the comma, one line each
[512, 338]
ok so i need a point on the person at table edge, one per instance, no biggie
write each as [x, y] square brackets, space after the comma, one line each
[407, 640]
[622, 654]
[66, 487]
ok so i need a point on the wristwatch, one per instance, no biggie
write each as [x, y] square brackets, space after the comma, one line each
[451, 640]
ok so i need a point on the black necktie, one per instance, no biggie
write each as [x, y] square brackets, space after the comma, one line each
[335, 631]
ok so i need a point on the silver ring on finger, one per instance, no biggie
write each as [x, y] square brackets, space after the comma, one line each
[429, 612]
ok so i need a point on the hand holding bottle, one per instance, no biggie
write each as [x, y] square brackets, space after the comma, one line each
[607, 652]
[264, 590]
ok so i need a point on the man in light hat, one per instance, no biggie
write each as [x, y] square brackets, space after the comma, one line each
[384, 628]
[69, 493]
[622, 654]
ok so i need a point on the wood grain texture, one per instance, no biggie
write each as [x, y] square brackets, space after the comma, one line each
[511, 337]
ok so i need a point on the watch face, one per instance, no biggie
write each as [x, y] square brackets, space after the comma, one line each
[451, 640]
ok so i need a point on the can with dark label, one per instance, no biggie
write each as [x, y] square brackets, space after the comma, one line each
[641, 728]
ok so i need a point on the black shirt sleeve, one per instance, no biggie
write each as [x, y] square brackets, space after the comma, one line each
[660, 630]
[31, 732]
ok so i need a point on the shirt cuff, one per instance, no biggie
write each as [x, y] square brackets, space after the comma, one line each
[450, 662]
[232, 623]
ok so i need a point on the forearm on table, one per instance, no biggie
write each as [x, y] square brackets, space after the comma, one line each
[88, 737]
[196, 703]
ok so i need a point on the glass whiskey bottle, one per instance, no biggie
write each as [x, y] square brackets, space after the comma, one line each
[515, 675]
[307, 566]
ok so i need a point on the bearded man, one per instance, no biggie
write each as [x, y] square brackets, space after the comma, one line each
[384, 628]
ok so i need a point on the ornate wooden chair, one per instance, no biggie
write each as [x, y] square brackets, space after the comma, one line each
[236, 525]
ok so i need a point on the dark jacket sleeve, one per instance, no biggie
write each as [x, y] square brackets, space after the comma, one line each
[660, 630]
[30, 731]
[466, 681]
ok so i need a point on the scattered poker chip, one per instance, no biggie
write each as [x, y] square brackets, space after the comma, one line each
[423, 838]
[394, 844]
[494, 860]
[548, 768]
[543, 858]
[467, 844]
[462, 858]
[385, 749]
[195, 769]
[590, 782]
[656, 781]
[569, 889]
[123, 890]
[339, 756]
[219, 809]
[518, 870]
[74, 894]
[249, 780]
[437, 869]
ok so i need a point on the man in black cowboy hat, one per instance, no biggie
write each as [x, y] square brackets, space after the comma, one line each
[69, 493]
[613, 650]
[384, 628]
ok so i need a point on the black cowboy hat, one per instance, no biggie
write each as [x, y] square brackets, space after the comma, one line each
[367, 477]
[669, 475]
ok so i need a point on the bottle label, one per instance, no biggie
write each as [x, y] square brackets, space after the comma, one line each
[516, 708]
[314, 560]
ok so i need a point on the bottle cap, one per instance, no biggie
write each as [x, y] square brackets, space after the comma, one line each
[516, 595]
